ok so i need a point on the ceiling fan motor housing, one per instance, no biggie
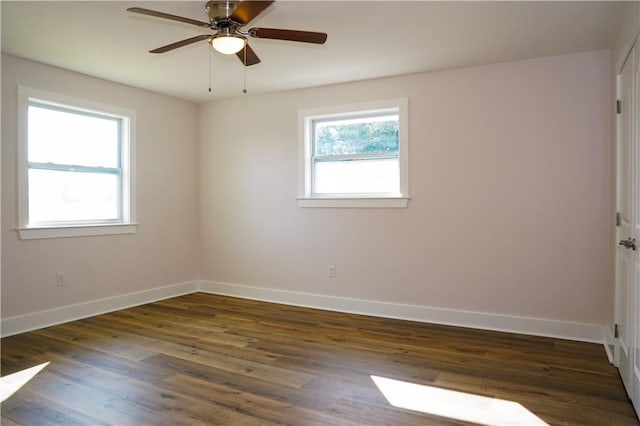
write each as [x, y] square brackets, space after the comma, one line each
[219, 11]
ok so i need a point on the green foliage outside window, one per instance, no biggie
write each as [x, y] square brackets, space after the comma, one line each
[357, 138]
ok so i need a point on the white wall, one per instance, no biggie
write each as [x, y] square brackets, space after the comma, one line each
[164, 250]
[510, 177]
[510, 169]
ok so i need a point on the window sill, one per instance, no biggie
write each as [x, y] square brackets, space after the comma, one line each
[36, 233]
[354, 202]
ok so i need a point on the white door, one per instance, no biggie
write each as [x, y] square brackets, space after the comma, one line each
[628, 231]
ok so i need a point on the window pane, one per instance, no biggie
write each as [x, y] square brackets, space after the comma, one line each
[63, 137]
[363, 135]
[71, 196]
[357, 177]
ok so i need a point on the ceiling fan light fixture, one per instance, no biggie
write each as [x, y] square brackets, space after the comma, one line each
[227, 44]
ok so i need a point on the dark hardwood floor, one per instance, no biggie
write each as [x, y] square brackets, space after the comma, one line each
[202, 359]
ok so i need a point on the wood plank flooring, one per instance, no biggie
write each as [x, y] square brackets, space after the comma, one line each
[203, 359]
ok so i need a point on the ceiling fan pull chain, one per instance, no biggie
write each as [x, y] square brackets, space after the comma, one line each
[244, 62]
[210, 55]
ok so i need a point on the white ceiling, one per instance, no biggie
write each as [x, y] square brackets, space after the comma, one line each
[367, 39]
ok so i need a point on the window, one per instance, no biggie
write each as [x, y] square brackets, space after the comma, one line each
[354, 156]
[75, 174]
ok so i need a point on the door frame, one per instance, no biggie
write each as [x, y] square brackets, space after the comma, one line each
[628, 303]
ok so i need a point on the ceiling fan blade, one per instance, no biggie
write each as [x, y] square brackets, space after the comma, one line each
[249, 9]
[180, 43]
[291, 35]
[251, 57]
[156, 14]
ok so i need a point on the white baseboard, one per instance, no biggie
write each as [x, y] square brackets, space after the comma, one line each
[513, 324]
[484, 321]
[610, 345]
[28, 322]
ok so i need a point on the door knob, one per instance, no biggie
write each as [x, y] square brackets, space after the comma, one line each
[629, 243]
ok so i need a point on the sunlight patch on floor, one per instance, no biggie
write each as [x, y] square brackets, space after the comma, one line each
[455, 405]
[10, 383]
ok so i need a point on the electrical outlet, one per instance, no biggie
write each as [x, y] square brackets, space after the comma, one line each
[332, 271]
[60, 279]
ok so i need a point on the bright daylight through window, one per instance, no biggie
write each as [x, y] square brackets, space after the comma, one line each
[75, 168]
[455, 405]
[354, 156]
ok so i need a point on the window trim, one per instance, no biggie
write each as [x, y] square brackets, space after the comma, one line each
[127, 223]
[306, 117]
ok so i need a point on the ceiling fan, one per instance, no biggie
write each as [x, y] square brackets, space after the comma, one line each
[227, 17]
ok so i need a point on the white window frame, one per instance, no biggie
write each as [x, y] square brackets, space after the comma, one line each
[306, 118]
[126, 224]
